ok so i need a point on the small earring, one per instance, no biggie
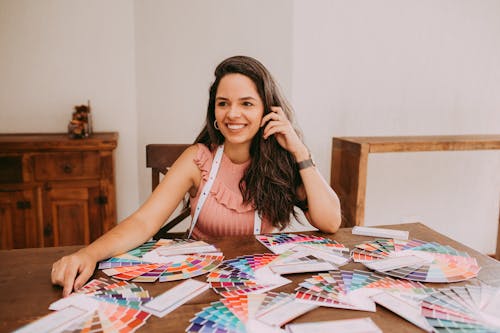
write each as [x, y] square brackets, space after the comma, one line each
[215, 124]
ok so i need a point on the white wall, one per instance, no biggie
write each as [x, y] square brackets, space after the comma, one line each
[407, 68]
[178, 46]
[349, 67]
[56, 54]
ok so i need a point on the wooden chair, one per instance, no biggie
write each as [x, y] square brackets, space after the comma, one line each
[159, 157]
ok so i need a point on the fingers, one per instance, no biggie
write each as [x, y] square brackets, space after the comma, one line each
[69, 279]
[53, 277]
[65, 272]
[57, 273]
[277, 114]
[278, 125]
[274, 127]
[278, 110]
[275, 122]
[85, 274]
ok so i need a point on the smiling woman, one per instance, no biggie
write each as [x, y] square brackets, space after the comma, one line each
[245, 173]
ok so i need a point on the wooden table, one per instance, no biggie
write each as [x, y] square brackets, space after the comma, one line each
[26, 290]
[350, 164]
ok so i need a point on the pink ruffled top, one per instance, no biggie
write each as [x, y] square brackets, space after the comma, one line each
[224, 213]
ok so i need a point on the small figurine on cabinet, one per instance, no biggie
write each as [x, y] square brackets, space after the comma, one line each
[80, 125]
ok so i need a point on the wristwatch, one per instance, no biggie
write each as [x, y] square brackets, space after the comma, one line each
[306, 163]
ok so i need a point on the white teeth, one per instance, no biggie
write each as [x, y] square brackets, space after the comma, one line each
[234, 126]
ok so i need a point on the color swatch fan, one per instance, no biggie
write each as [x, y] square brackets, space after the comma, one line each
[416, 260]
[353, 289]
[102, 305]
[118, 308]
[245, 274]
[249, 313]
[163, 260]
[303, 258]
[279, 243]
[463, 309]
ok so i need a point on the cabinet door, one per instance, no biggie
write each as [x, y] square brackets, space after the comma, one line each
[19, 227]
[71, 214]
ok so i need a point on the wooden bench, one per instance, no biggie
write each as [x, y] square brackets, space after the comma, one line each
[350, 162]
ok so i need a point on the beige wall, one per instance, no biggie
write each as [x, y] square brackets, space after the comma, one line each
[56, 54]
[391, 67]
[350, 68]
[178, 46]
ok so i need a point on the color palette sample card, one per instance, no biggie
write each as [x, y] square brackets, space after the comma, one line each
[359, 325]
[163, 260]
[302, 264]
[245, 274]
[304, 258]
[353, 289]
[416, 260]
[249, 313]
[463, 309]
[171, 299]
[380, 232]
[405, 306]
[102, 305]
[279, 243]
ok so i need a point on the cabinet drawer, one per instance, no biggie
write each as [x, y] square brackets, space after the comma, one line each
[71, 165]
[11, 169]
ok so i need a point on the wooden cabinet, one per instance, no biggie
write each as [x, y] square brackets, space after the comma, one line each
[56, 191]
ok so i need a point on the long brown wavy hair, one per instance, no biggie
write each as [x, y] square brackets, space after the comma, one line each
[270, 182]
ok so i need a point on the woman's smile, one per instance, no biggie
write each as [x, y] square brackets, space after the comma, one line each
[235, 127]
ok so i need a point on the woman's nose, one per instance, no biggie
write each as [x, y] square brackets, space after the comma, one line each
[234, 112]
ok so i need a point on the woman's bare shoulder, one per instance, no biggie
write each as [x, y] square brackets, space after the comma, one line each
[188, 155]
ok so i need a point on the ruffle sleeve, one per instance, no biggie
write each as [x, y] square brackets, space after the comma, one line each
[229, 199]
[203, 160]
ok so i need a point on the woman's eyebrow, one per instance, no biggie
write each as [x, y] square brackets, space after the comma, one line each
[248, 97]
[241, 98]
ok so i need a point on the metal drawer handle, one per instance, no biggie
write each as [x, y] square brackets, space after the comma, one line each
[47, 230]
[23, 205]
[67, 168]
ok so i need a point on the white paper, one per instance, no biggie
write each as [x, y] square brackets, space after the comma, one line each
[80, 301]
[56, 321]
[380, 232]
[360, 325]
[403, 308]
[388, 264]
[326, 254]
[491, 308]
[302, 267]
[174, 297]
[284, 312]
[255, 326]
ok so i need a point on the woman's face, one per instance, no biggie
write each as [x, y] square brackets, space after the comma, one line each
[238, 109]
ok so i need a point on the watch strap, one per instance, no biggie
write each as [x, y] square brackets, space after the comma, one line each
[305, 164]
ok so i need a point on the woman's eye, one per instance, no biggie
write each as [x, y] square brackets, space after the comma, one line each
[247, 104]
[221, 104]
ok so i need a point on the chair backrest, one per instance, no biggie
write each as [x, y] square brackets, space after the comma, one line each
[159, 157]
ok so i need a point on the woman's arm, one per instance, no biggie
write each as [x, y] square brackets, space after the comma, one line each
[323, 203]
[74, 270]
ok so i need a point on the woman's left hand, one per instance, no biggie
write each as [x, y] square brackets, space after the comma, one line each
[276, 123]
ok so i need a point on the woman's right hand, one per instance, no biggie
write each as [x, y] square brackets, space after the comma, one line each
[72, 271]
